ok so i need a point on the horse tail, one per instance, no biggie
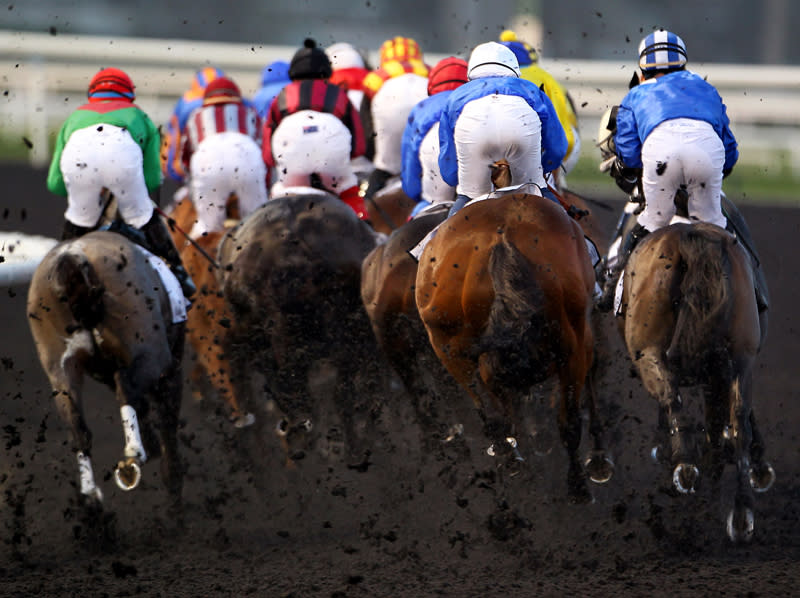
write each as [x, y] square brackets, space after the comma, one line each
[77, 285]
[516, 324]
[705, 291]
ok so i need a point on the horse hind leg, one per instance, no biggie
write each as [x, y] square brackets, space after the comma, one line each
[598, 465]
[570, 429]
[67, 379]
[661, 384]
[168, 397]
[762, 475]
[740, 522]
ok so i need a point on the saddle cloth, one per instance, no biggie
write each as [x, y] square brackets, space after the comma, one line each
[177, 302]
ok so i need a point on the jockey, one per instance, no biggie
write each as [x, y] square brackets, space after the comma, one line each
[171, 162]
[562, 102]
[497, 115]
[274, 77]
[312, 131]
[111, 143]
[349, 71]
[393, 89]
[221, 150]
[421, 178]
[673, 129]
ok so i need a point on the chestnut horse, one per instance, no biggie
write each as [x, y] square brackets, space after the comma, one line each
[504, 290]
[690, 318]
[291, 280]
[98, 307]
[208, 321]
[390, 207]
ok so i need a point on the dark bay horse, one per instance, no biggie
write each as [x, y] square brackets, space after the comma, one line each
[209, 320]
[690, 319]
[292, 273]
[388, 281]
[505, 292]
[97, 307]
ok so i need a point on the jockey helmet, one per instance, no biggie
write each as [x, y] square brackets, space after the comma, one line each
[526, 54]
[492, 59]
[310, 62]
[205, 76]
[401, 49]
[344, 56]
[222, 91]
[662, 51]
[448, 74]
[110, 84]
[276, 71]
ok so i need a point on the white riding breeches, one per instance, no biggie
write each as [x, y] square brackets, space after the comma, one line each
[682, 152]
[309, 142]
[492, 128]
[104, 156]
[226, 163]
[390, 109]
[434, 189]
[572, 159]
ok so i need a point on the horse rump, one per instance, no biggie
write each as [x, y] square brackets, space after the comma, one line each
[78, 285]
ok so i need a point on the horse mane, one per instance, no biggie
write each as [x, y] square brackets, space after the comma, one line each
[77, 285]
[704, 288]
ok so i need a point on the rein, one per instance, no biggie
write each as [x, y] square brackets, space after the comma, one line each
[174, 226]
[382, 213]
[572, 211]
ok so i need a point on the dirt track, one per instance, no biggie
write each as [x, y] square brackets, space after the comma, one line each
[411, 525]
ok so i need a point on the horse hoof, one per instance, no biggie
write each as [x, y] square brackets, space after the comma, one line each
[599, 467]
[762, 478]
[243, 421]
[684, 478]
[740, 530]
[128, 475]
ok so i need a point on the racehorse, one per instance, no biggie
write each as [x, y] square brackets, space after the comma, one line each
[291, 280]
[388, 279]
[504, 290]
[690, 319]
[390, 207]
[98, 307]
[209, 320]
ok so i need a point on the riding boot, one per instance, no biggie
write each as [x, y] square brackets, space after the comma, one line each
[636, 234]
[759, 282]
[160, 243]
[376, 181]
[73, 231]
[460, 202]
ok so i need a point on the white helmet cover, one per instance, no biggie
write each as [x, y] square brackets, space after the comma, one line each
[344, 56]
[492, 59]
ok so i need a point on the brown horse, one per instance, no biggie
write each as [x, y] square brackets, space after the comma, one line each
[292, 275]
[388, 280]
[97, 307]
[208, 321]
[690, 318]
[390, 207]
[505, 292]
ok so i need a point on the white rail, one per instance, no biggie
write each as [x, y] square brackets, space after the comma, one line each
[46, 76]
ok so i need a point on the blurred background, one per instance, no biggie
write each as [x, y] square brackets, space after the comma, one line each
[49, 50]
